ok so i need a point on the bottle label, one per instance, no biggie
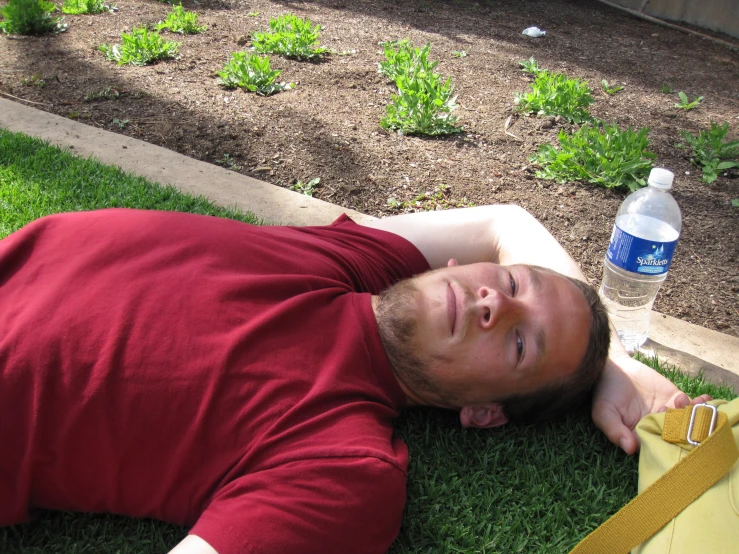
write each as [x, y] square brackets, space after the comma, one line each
[638, 255]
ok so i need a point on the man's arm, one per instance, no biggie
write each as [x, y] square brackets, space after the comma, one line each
[192, 544]
[629, 390]
[322, 505]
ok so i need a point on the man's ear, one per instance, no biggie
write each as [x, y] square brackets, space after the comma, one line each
[483, 417]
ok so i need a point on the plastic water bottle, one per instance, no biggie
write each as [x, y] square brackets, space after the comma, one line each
[643, 241]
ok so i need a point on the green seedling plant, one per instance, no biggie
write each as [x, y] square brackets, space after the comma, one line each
[179, 20]
[251, 72]
[291, 37]
[35, 80]
[735, 202]
[140, 47]
[30, 17]
[438, 199]
[610, 90]
[459, 53]
[84, 7]
[425, 102]
[602, 155]
[229, 162]
[685, 104]
[108, 93]
[529, 66]
[306, 188]
[556, 94]
[402, 59]
[423, 106]
[665, 88]
[711, 152]
[121, 123]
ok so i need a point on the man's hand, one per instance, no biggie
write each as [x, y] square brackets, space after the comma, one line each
[628, 391]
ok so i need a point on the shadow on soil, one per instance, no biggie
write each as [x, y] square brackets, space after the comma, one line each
[501, 21]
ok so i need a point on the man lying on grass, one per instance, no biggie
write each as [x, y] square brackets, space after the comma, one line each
[243, 380]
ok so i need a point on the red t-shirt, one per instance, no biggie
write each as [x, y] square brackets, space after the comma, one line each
[205, 372]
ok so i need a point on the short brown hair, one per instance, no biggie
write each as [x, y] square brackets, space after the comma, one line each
[563, 395]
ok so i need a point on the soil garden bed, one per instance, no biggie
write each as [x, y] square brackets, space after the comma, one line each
[327, 127]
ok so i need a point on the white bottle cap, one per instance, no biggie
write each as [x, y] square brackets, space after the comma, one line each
[661, 178]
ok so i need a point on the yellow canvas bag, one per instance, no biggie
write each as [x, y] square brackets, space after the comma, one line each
[688, 500]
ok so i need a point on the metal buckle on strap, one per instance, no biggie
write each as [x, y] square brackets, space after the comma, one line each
[714, 417]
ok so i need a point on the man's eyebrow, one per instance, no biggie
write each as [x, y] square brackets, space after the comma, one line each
[539, 337]
[533, 278]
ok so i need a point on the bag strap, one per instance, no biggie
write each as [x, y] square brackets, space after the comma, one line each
[684, 482]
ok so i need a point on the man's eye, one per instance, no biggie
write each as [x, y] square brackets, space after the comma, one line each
[519, 346]
[513, 285]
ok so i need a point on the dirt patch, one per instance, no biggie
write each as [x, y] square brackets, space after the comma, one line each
[328, 126]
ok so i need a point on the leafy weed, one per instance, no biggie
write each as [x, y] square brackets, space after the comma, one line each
[605, 156]
[30, 17]
[108, 93]
[292, 37]
[423, 106]
[229, 162]
[306, 188]
[610, 91]
[425, 102]
[121, 123]
[251, 72]
[665, 88]
[529, 66]
[35, 80]
[140, 47]
[459, 53]
[403, 60]
[88, 7]
[685, 104]
[438, 199]
[556, 94]
[711, 153]
[179, 20]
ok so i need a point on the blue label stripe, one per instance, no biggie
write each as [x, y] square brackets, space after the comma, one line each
[639, 255]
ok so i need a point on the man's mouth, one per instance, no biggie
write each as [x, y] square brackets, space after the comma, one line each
[451, 307]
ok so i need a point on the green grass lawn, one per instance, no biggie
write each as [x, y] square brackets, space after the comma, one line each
[513, 489]
[38, 180]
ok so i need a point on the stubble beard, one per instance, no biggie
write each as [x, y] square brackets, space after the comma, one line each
[397, 324]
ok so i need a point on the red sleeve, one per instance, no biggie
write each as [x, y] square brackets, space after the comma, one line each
[321, 506]
[370, 259]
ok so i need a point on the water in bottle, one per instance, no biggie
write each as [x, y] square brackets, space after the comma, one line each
[643, 241]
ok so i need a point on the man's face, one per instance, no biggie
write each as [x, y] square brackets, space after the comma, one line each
[485, 332]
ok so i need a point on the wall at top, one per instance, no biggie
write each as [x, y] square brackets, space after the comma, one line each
[717, 15]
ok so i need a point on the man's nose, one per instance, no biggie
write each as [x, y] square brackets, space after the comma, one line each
[495, 306]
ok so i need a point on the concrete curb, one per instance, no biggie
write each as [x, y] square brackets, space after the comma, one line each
[689, 346]
[226, 188]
